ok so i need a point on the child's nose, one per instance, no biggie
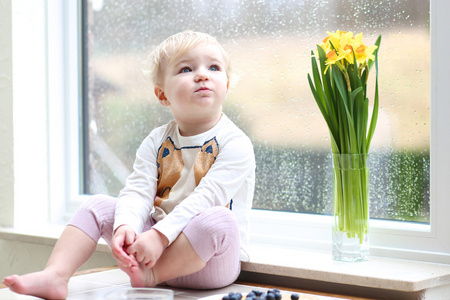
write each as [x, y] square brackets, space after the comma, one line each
[201, 74]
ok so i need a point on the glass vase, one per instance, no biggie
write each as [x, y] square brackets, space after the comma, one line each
[350, 207]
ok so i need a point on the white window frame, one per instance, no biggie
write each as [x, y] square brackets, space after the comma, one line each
[65, 126]
[387, 238]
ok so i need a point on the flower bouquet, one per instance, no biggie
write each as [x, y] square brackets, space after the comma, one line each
[340, 90]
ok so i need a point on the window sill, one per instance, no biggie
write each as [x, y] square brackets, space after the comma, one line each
[42, 235]
[312, 270]
[379, 277]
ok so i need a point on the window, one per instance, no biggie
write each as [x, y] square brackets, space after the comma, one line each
[278, 113]
[269, 43]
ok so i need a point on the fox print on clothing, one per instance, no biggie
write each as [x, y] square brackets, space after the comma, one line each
[170, 165]
[205, 158]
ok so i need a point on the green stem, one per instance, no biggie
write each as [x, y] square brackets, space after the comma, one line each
[351, 206]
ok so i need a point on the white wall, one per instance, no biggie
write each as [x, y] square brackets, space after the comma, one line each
[6, 117]
[19, 257]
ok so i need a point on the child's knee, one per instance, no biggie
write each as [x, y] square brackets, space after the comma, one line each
[99, 202]
[95, 217]
[220, 212]
[219, 216]
[99, 209]
[218, 223]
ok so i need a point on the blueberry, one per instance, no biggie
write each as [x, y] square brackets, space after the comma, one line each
[278, 296]
[226, 297]
[233, 296]
[270, 296]
[294, 296]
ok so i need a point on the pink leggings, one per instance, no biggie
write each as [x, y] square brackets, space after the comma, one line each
[213, 234]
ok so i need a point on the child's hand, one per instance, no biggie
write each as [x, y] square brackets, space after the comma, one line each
[123, 237]
[148, 247]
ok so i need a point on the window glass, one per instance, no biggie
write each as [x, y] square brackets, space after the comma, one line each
[269, 43]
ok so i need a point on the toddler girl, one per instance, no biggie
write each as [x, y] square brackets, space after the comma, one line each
[182, 217]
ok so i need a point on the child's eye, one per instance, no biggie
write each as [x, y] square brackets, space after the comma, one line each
[185, 70]
[214, 68]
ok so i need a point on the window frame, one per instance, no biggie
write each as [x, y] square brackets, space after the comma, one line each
[295, 230]
[65, 107]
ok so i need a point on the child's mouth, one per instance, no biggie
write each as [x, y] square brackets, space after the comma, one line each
[203, 89]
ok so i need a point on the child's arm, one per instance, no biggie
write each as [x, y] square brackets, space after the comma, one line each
[136, 199]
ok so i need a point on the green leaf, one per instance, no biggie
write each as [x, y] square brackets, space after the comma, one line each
[318, 99]
[325, 83]
[321, 106]
[359, 117]
[363, 129]
[364, 78]
[319, 88]
[353, 73]
[373, 121]
[326, 78]
[317, 80]
[340, 84]
[375, 53]
[349, 145]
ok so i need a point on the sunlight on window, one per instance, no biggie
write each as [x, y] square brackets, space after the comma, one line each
[269, 43]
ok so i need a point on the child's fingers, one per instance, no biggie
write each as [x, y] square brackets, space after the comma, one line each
[129, 238]
[125, 260]
[130, 249]
[117, 246]
[116, 252]
[139, 256]
[121, 256]
[130, 261]
[123, 238]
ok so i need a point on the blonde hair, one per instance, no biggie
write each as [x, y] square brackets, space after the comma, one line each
[175, 46]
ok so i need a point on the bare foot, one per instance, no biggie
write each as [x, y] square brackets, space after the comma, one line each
[44, 284]
[140, 276]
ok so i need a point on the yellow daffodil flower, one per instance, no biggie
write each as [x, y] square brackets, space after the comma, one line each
[344, 43]
[333, 58]
[362, 53]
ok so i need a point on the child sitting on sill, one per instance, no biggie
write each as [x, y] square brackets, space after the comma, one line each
[182, 217]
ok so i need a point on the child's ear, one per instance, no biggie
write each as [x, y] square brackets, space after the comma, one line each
[161, 96]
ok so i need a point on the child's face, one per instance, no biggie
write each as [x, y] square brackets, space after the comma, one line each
[195, 85]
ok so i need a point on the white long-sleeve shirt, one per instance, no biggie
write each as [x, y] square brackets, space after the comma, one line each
[176, 177]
